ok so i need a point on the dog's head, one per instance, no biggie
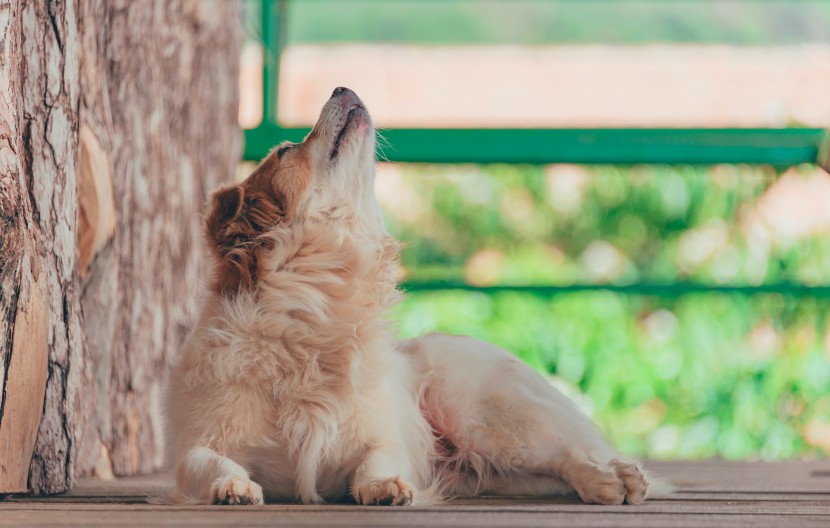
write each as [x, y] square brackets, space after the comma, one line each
[328, 177]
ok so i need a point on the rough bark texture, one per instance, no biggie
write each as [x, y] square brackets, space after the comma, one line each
[116, 119]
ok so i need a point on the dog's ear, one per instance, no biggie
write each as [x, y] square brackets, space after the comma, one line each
[239, 217]
[243, 218]
[226, 207]
[225, 228]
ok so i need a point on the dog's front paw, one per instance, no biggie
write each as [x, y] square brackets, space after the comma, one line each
[234, 491]
[389, 492]
[636, 485]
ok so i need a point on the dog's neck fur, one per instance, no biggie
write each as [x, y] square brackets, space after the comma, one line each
[338, 280]
[322, 296]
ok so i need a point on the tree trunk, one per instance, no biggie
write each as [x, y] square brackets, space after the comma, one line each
[116, 119]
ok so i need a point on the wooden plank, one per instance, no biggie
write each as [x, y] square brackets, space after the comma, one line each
[475, 506]
[516, 505]
[25, 387]
[730, 476]
[778, 501]
[319, 516]
[744, 496]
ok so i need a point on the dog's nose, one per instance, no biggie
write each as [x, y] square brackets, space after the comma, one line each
[339, 90]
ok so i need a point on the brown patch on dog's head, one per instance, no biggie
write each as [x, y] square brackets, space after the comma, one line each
[242, 216]
[247, 219]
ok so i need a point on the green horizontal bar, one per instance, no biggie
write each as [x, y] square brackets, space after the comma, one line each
[616, 146]
[658, 290]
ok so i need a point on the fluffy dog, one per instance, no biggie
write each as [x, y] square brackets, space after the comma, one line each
[293, 386]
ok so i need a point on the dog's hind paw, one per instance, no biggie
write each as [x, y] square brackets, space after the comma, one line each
[389, 492]
[604, 487]
[636, 484]
[235, 491]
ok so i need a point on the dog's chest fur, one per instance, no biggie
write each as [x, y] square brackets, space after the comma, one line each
[295, 360]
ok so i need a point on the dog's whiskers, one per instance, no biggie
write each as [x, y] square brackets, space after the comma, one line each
[382, 144]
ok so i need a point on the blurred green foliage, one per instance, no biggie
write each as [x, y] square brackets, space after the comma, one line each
[744, 22]
[567, 224]
[558, 21]
[700, 375]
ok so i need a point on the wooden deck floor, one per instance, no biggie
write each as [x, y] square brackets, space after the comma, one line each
[711, 493]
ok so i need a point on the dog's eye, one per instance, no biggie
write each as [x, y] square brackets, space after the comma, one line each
[285, 148]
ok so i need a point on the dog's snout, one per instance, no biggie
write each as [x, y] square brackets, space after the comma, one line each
[345, 98]
[339, 90]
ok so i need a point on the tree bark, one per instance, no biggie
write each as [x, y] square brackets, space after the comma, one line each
[116, 119]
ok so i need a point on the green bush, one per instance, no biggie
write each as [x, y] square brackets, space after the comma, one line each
[696, 375]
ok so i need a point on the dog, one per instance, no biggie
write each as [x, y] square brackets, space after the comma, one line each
[293, 385]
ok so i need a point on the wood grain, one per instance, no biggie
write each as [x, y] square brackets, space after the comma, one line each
[779, 502]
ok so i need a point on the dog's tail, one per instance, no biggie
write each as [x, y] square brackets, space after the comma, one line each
[431, 495]
[658, 487]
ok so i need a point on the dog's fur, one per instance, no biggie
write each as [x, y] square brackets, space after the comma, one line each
[294, 386]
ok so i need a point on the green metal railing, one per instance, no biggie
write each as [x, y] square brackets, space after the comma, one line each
[598, 146]
[781, 148]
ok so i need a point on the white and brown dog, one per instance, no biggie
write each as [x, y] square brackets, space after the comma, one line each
[294, 385]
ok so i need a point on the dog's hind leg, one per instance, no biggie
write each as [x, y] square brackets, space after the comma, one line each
[206, 476]
[500, 414]
[518, 432]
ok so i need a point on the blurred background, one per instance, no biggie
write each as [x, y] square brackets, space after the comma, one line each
[706, 370]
